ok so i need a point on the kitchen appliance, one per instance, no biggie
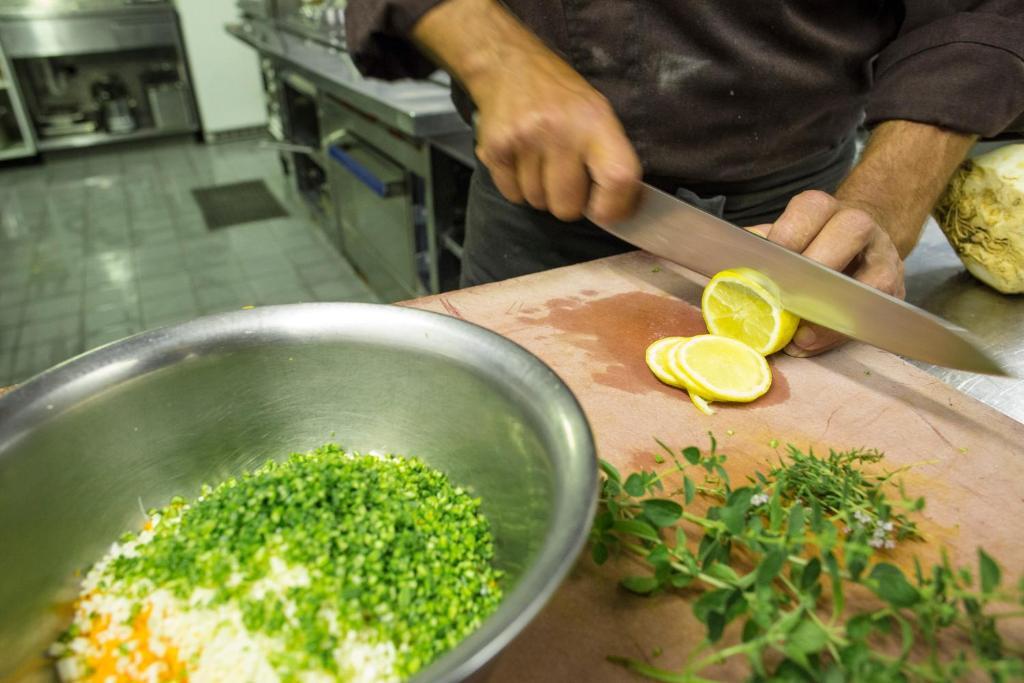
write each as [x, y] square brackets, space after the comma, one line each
[16, 139]
[5, 139]
[156, 415]
[168, 97]
[64, 120]
[59, 50]
[115, 104]
[668, 227]
[257, 9]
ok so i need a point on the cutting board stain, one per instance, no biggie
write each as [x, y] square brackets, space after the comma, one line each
[778, 393]
[616, 330]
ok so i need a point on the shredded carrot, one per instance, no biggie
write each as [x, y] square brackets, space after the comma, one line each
[108, 657]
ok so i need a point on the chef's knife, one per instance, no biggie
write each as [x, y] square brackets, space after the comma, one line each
[672, 229]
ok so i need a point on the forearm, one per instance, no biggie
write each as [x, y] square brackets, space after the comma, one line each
[546, 135]
[479, 42]
[901, 174]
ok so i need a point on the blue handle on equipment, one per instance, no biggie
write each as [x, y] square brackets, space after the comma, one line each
[364, 174]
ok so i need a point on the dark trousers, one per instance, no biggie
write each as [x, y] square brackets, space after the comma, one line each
[506, 240]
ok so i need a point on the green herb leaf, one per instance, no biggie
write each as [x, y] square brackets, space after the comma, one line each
[809, 575]
[712, 601]
[888, 583]
[689, 490]
[637, 528]
[860, 626]
[680, 580]
[775, 512]
[692, 454]
[734, 514]
[989, 572]
[610, 471]
[856, 561]
[658, 558]
[770, 566]
[641, 585]
[817, 519]
[722, 572]
[838, 598]
[635, 485]
[807, 638]
[716, 625]
[599, 553]
[796, 521]
[661, 512]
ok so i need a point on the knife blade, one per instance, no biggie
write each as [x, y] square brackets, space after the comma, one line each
[672, 229]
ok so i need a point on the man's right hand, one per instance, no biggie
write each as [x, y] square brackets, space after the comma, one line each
[547, 137]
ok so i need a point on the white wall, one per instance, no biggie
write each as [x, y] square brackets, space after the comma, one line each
[225, 73]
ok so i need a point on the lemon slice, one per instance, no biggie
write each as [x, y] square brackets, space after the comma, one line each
[657, 357]
[702, 404]
[720, 368]
[657, 360]
[745, 305]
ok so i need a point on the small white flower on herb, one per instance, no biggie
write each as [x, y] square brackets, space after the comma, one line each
[890, 544]
[876, 543]
[861, 516]
[759, 499]
[887, 526]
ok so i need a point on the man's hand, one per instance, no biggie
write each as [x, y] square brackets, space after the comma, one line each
[547, 137]
[876, 217]
[843, 237]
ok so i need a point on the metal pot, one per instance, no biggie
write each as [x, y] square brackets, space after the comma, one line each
[157, 414]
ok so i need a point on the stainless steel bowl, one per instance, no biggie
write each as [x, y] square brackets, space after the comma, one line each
[85, 445]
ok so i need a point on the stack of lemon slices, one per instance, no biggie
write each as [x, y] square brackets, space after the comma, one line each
[743, 312]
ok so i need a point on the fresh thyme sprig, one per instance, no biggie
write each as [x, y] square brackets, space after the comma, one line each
[808, 529]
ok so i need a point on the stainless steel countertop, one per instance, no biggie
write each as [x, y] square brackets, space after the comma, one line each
[34, 9]
[938, 282]
[418, 108]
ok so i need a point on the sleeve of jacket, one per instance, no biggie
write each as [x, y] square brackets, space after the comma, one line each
[377, 37]
[955, 64]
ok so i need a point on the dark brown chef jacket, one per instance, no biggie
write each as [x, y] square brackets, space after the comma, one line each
[725, 91]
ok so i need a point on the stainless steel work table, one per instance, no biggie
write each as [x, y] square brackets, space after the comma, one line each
[939, 283]
[417, 108]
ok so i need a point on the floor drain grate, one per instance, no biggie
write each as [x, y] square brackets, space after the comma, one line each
[245, 202]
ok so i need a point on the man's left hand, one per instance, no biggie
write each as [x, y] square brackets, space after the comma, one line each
[843, 236]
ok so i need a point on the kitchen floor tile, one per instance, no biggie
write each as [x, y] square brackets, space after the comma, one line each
[101, 318]
[325, 273]
[8, 336]
[6, 368]
[165, 285]
[109, 334]
[101, 244]
[224, 298]
[338, 290]
[57, 307]
[33, 333]
[284, 296]
[124, 295]
[31, 360]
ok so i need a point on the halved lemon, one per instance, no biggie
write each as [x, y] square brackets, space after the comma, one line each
[720, 368]
[745, 305]
[657, 357]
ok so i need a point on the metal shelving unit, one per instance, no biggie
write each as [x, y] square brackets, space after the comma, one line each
[95, 72]
[14, 123]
